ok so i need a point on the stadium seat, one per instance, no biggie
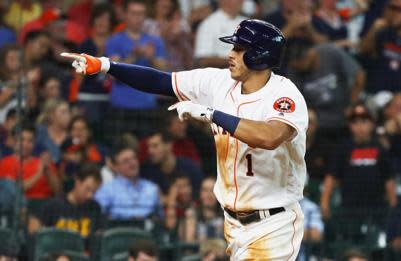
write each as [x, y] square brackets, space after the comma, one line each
[115, 241]
[176, 251]
[57, 240]
[8, 241]
[191, 258]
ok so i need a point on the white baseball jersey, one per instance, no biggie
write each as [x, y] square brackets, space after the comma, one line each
[252, 178]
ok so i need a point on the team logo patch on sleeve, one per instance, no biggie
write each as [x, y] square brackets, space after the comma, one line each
[284, 104]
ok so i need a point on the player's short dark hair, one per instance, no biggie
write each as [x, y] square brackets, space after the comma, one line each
[146, 246]
[33, 35]
[128, 2]
[89, 170]
[101, 9]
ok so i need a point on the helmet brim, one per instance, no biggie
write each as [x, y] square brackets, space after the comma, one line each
[228, 39]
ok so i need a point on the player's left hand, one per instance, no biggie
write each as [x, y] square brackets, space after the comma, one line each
[188, 109]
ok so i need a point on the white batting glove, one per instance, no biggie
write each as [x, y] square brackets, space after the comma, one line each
[188, 109]
[87, 64]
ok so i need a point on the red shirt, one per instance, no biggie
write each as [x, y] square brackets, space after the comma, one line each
[9, 169]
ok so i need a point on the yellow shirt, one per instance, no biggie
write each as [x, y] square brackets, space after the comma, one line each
[16, 17]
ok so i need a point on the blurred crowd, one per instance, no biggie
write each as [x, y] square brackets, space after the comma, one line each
[91, 153]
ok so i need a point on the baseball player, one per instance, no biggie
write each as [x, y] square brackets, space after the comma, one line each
[258, 119]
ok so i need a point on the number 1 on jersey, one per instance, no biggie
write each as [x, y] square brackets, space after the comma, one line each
[249, 162]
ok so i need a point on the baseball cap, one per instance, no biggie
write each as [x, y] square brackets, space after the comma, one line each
[360, 111]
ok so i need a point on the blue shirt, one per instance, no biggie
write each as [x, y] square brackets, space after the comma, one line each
[45, 143]
[123, 199]
[7, 36]
[313, 219]
[122, 45]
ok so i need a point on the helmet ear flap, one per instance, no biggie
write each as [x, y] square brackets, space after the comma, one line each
[254, 60]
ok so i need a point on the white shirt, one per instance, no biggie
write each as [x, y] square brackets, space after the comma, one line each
[252, 178]
[218, 24]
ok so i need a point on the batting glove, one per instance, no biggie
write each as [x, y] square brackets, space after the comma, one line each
[188, 109]
[87, 64]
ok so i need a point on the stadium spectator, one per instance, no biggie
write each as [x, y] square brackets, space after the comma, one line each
[137, 198]
[393, 229]
[10, 72]
[50, 88]
[294, 18]
[195, 11]
[166, 21]
[317, 156]
[163, 165]
[213, 250]
[183, 146]
[108, 172]
[313, 227]
[375, 11]
[382, 46]
[55, 257]
[21, 12]
[180, 196]
[209, 51]
[7, 140]
[365, 175]
[329, 79]
[206, 220]
[81, 135]
[7, 34]
[93, 91]
[392, 128]
[36, 47]
[143, 250]
[77, 211]
[39, 177]
[52, 128]
[137, 47]
[78, 149]
[332, 22]
[354, 255]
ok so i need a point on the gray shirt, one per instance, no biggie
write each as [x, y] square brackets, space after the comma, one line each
[327, 88]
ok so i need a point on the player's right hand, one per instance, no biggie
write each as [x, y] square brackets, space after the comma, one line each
[87, 64]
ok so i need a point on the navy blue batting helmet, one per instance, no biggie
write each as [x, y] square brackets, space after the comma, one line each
[264, 43]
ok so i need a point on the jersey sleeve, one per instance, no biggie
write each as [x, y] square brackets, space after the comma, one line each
[289, 106]
[196, 85]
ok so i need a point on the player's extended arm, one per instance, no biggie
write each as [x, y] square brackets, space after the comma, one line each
[257, 134]
[140, 77]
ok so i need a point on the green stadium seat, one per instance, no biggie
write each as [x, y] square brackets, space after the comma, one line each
[116, 241]
[57, 240]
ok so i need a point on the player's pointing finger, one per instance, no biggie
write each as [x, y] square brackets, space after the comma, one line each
[74, 56]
